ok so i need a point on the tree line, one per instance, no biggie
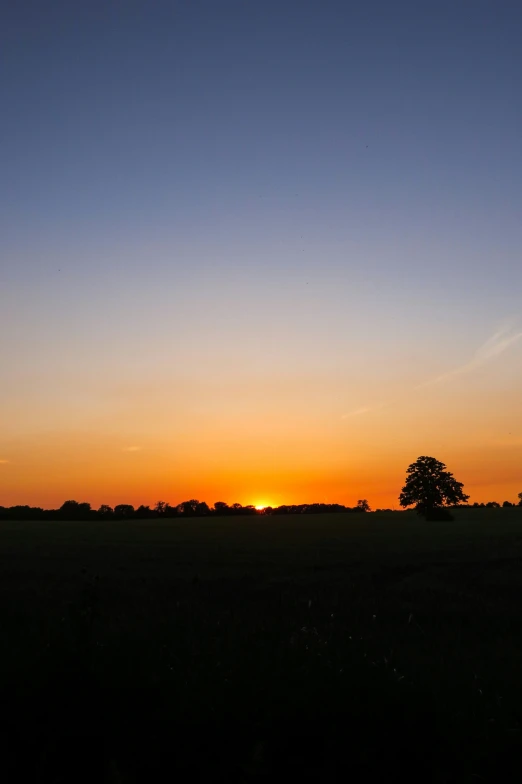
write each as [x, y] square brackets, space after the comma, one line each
[74, 510]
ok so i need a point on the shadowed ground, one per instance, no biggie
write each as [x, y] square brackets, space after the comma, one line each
[368, 647]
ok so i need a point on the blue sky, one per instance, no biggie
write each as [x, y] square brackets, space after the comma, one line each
[278, 190]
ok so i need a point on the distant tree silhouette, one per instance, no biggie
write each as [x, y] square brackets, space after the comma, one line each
[239, 509]
[188, 508]
[73, 509]
[162, 509]
[430, 487]
[519, 499]
[221, 508]
[363, 505]
[493, 505]
[507, 505]
[143, 512]
[193, 508]
[105, 510]
[22, 512]
[124, 510]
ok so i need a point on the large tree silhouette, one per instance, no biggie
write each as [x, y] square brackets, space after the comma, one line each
[430, 487]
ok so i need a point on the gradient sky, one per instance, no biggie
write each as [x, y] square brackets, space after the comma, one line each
[266, 251]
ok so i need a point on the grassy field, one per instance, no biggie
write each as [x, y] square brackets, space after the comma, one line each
[340, 647]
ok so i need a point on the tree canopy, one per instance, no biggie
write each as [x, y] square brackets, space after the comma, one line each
[430, 487]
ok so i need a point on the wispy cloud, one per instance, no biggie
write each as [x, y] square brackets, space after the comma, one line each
[505, 337]
[4, 462]
[497, 344]
[131, 449]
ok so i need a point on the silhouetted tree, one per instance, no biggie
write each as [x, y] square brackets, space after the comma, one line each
[431, 488]
[363, 505]
[188, 507]
[105, 510]
[493, 505]
[124, 510]
[519, 499]
[143, 512]
[73, 509]
[194, 508]
[221, 508]
[507, 505]
[160, 507]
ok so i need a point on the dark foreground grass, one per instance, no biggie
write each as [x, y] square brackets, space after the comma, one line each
[329, 648]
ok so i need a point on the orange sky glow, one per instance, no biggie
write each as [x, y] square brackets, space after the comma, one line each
[262, 440]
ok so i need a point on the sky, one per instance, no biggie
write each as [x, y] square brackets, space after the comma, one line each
[265, 251]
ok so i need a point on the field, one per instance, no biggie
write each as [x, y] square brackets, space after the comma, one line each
[340, 647]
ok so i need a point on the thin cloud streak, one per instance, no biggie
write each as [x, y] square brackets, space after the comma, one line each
[495, 345]
[131, 449]
[4, 462]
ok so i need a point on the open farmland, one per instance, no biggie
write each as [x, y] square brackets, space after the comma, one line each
[336, 647]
